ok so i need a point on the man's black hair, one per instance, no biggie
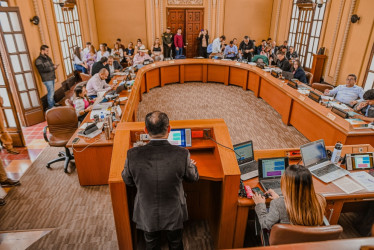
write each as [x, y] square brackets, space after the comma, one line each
[157, 123]
[223, 37]
[246, 37]
[369, 95]
[231, 42]
[104, 59]
[354, 76]
[43, 47]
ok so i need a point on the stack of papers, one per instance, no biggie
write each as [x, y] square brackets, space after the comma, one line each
[365, 179]
[104, 105]
[347, 185]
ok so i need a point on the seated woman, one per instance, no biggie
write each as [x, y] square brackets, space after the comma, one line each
[90, 58]
[296, 182]
[157, 51]
[298, 72]
[78, 61]
[138, 45]
[117, 52]
[81, 103]
[292, 54]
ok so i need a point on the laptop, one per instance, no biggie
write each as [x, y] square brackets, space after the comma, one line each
[315, 158]
[270, 171]
[245, 157]
[287, 75]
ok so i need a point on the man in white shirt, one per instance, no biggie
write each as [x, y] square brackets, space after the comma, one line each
[141, 57]
[97, 83]
[216, 46]
[349, 94]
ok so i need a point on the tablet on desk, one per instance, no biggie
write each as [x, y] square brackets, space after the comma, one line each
[360, 161]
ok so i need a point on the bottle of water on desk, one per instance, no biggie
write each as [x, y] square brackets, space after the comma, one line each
[102, 116]
[337, 152]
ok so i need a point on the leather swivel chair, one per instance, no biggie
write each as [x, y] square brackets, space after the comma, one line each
[321, 86]
[288, 234]
[84, 77]
[62, 124]
[309, 78]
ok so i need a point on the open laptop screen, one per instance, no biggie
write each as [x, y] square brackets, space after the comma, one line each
[273, 167]
[313, 153]
[244, 152]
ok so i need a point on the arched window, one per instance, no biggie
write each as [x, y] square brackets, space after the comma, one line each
[305, 29]
[69, 32]
[369, 78]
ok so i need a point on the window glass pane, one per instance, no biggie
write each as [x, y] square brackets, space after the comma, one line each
[10, 43]
[319, 26]
[4, 22]
[34, 98]
[311, 44]
[29, 81]
[308, 60]
[3, 4]
[14, 21]
[66, 67]
[322, 12]
[15, 63]
[315, 45]
[372, 64]
[20, 42]
[25, 62]
[10, 118]
[25, 100]
[369, 81]
[20, 82]
[4, 95]
[2, 82]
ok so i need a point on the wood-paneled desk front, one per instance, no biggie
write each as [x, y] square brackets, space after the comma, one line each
[349, 244]
[335, 197]
[313, 120]
[213, 197]
[310, 118]
[92, 156]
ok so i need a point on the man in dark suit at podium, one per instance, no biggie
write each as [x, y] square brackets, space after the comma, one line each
[158, 170]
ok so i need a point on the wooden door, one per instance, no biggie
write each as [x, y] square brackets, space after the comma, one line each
[176, 19]
[17, 63]
[194, 23]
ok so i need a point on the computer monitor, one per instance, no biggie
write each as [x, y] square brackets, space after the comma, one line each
[313, 153]
[180, 137]
[270, 168]
[244, 152]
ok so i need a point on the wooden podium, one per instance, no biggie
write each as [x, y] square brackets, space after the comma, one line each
[213, 198]
[317, 67]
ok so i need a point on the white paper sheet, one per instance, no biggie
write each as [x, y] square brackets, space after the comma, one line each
[365, 179]
[348, 185]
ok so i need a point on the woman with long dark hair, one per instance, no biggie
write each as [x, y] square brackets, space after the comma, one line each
[78, 61]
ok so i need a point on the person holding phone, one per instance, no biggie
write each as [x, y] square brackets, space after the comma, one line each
[47, 70]
[203, 43]
[296, 182]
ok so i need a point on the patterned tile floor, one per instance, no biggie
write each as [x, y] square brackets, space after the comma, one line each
[16, 166]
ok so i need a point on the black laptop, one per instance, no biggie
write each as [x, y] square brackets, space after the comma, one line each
[247, 164]
[270, 171]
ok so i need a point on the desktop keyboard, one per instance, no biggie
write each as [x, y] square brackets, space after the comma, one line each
[274, 184]
[325, 170]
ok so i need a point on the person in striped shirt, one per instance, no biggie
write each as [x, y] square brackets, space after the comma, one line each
[349, 93]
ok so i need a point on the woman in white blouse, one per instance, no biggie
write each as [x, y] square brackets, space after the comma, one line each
[117, 52]
[102, 52]
[78, 61]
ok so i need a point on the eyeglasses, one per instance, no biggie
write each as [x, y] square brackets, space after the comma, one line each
[351, 79]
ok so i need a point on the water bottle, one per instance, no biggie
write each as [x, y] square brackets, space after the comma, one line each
[337, 152]
[102, 116]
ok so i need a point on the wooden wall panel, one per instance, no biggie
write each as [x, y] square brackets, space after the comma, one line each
[153, 78]
[238, 77]
[218, 73]
[169, 75]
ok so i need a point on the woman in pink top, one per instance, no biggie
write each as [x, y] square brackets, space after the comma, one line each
[81, 103]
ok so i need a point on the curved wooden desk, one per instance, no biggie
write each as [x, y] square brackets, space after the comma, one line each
[313, 120]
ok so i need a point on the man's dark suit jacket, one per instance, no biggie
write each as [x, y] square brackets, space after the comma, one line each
[158, 170]
[97, 66]
[284, 64]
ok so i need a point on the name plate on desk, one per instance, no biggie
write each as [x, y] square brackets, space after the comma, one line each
[331, 116]
[302, 98]
[237, 64]
[153, 65]
[171, 62]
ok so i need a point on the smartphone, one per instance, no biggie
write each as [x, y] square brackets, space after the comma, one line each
[259, 191]
[76, 140]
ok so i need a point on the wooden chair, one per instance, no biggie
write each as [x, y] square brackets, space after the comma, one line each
[309, 78]
[321, 86]
[84, 77]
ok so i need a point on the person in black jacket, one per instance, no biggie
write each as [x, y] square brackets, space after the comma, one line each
[97, 66]
[113, 66]
[203, 43]
[158, 170]
[46, 70]
[298, 72]
[282, 62]
[247, 48]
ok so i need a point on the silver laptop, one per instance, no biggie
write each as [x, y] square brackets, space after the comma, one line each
[245, 157]
[316, 160]
[287, 75]
[270, 171]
